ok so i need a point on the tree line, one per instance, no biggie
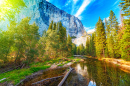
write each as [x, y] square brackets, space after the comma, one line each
[110, 39]
[21, 43]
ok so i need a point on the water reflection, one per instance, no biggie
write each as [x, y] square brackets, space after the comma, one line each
[97, 73]
[91, 83]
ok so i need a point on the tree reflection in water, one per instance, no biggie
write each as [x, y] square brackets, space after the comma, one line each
[98, 73]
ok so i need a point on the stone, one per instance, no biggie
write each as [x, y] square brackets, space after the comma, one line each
[43, 12]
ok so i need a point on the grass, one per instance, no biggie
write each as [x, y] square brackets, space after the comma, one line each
[16, 75]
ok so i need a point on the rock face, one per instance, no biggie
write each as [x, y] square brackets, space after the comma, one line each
[81, 40]
[43, 12]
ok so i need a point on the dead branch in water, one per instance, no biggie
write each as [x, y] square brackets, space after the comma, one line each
[42, 82]
[65, 77]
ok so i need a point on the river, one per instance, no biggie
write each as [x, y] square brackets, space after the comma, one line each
[92, 72]
[89, 72]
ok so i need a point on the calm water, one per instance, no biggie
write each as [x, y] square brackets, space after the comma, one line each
[92, 72]
[45, 75]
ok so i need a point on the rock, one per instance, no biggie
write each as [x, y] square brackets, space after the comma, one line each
[82, 60]
[68, 64]
[43, 12]
[53, 66]
[80, 40]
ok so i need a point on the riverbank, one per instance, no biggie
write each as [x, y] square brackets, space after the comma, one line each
[15, 76]
[122, 64]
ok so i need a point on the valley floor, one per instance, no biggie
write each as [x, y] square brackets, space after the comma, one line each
[15, 76]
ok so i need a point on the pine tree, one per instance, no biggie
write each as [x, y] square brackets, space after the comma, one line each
[112, 30]
[87, 46]
[92, 47]
[69, 44]
[74, 49]
[81, 49]
[54, 26]
[100, 39]
[51, 26]
[125, 41]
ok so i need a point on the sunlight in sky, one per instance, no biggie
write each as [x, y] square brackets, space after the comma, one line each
[1, 1]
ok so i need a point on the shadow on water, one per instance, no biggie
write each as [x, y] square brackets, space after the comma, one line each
[92, 72]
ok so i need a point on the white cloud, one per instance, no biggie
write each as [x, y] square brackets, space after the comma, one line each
[82, 8]
[86, 28]
[48, 0]
[106, 19]
[68, 2]
[75, 1]
[116, 2]
[80, 17]
[91, 31]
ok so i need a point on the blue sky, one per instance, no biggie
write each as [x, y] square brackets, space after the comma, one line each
[88, 11]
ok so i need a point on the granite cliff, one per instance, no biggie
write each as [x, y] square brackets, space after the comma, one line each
[43, 12]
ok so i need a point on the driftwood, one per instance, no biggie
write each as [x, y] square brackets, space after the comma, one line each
[45, 81]
[2, 79]
[10, 69]
[30, 77]
[65, 77]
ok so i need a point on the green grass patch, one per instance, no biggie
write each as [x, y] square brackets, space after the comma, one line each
[71, 57]
[60, 64]
[17, 75]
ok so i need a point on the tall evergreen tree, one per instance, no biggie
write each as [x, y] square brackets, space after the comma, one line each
[125, 41]
[100, 39]
[87, 46]
[69, 44]
[92, 47]
[51, 26]
[112, 30]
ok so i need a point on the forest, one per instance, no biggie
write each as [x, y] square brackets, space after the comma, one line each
[21, 43]
[109, 39]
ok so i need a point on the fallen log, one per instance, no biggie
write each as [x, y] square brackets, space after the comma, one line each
[43, 81]
[65, 77]
[10, 69]
[2, 79]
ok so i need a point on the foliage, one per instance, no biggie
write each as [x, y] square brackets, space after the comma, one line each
[100, 38]
[9, 8]
[54, 42]
[19, 41]
[125, 41]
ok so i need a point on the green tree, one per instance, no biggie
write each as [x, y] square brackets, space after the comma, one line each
[92, 47]
[125, 41]
[69, 45]
[74, 49]
[112, 35]
[25, 39]
[50, 26]
[6, 42]
[9, 8]
[100, 39]
[87, 45]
